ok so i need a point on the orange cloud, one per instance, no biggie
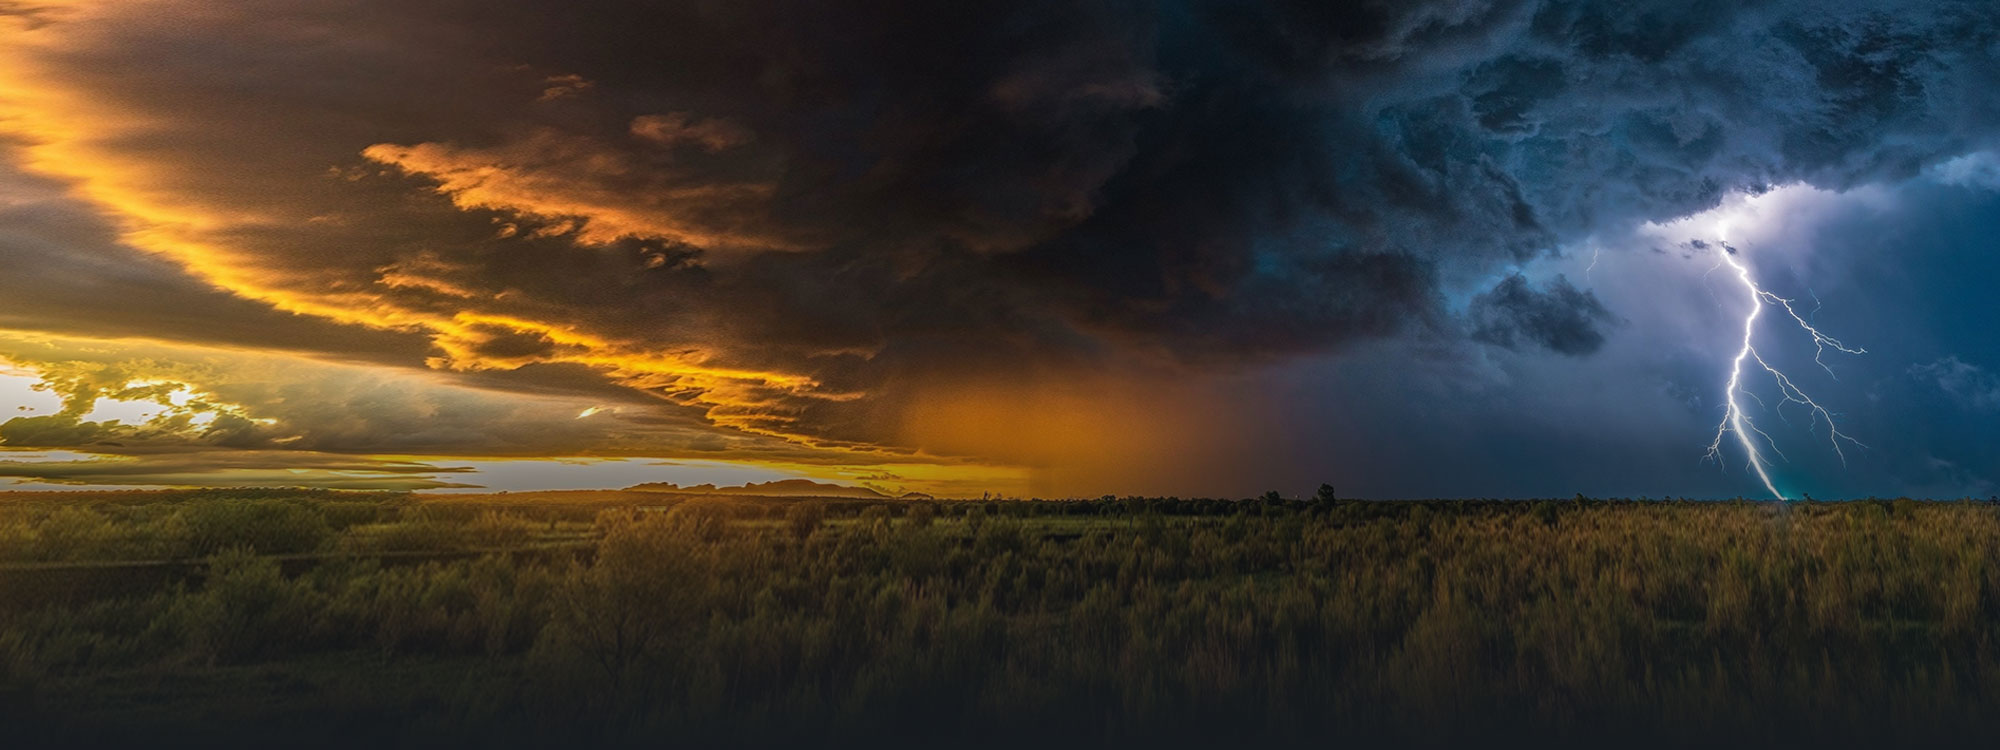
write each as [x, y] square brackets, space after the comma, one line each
[335, 421]
[677, 128]
[565, 86]
[238, 208]
[68, 133]
[598, 195]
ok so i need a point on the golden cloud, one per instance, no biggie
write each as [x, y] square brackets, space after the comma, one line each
[574, 186]
[74, 132]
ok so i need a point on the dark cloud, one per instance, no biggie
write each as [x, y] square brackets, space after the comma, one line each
[1229, 178]
[804, 218]
[53, 430]
[1055, 181]
[1557, 317]
[64, 263]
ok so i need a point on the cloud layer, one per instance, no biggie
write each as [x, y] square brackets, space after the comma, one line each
[826, 229]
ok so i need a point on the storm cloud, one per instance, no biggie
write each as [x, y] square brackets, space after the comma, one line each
[1558, 317]
[820, 224]
[1216, 181]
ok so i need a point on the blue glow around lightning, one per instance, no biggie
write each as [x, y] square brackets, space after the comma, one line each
[1735, 421]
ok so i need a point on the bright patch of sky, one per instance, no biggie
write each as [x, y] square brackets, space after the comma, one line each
[601, 473]
[18, 397]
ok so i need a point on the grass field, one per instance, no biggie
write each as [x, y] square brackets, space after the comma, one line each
[339, 619]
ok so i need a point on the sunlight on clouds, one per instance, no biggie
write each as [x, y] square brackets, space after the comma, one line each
[748, 400]
[69, 135]
[583, 189]
[128, 412]
[39, 456]
[692, 397]
[20, 397]
[190, 416]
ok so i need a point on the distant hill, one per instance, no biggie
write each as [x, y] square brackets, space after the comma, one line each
[775, 488]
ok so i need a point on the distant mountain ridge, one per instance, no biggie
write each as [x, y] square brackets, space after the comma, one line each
[774, 488]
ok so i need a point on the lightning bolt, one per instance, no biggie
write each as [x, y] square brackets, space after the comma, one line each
[1737, 422]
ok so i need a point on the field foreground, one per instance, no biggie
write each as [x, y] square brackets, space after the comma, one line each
[230, 618]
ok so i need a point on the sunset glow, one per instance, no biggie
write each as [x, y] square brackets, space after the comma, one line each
[1089, 266]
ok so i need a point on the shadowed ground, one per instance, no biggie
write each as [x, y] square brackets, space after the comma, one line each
[334, 619]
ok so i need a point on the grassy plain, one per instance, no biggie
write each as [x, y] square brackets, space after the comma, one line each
[229, 618]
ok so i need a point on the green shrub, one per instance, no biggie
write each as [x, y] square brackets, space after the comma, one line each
[18, 540]
[245, 610]
[343, 514]
[421, 529]
[76, 532]
[499, 530]
[263, 526]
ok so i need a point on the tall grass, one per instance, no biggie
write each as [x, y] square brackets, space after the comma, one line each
[1117, 621]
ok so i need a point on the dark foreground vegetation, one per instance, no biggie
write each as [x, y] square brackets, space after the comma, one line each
[323, 619]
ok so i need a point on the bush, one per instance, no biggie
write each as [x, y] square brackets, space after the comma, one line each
[627, 617]
[245, 610]
[17, 538]
[343, 514]
[420, 529]
[76, 532]
[805, 517]
[499, 530]
[270, 527]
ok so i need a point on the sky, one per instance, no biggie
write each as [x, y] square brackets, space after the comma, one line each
[1021, 247]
